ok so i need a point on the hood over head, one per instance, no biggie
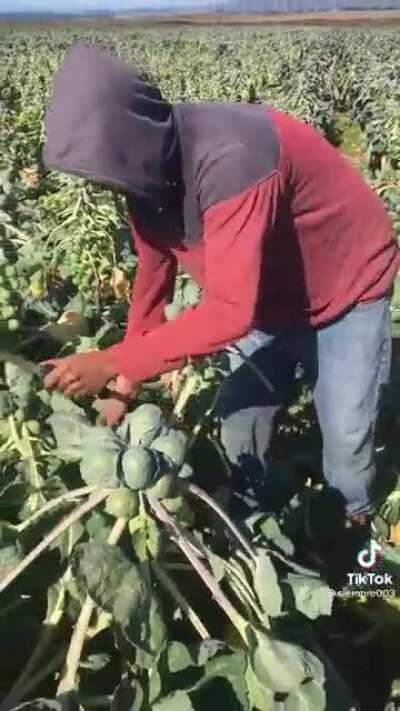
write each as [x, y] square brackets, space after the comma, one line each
[107, 124]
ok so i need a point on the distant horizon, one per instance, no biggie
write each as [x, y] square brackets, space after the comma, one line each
[82, 7]
[33, 8]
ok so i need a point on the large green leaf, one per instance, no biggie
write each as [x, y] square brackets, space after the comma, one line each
[100, 570]
[61, 404]
[232, 668]
[181, 656]
[280, 666]
[266, 585]
[71, 432]
[260, 696]
[310, 697]
[313, 596]
[269, 527]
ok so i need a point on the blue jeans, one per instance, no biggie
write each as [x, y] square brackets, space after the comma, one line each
[346, 364]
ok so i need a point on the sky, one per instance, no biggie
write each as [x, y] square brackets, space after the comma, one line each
[85, 5]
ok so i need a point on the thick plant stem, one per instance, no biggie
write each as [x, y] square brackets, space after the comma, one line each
[187, 391]
[200, 494]
[80, 511]
[69, 678]
[54, 503]
[169, 585]
[162, 514]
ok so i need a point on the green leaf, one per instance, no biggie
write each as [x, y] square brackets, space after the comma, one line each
[232, 668]
[98, 527]
[66, 543]
[64, 405]
[178, 701]
[71, 432]
[270, 529]
[154, 538]
[155, 684]
[217, 565]
[100, 568]
[312, 596]
[280, 666]
[260, 696]
[310, 697]
[266, 585]
[95, 662]
[179, 657]
[158, 633]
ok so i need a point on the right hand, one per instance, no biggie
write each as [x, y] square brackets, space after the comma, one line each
[112, 409]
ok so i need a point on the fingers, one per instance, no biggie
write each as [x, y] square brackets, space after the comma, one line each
[66, 379]
[52, 379]
[77, 387]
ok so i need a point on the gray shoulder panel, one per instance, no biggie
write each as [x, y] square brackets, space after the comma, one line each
[226, 148]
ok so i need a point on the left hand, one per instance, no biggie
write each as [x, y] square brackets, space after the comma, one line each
[79, 374]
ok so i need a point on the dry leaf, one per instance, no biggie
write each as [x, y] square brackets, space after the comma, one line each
[69, 325]
[395, 534]
[120, 284]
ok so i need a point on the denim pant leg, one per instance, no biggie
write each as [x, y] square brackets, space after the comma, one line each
[246, 409]
[353, 364]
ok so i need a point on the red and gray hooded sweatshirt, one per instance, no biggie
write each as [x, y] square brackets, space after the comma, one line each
[278, 228]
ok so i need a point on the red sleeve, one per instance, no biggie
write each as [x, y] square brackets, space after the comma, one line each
[234, 234]
[153, 286]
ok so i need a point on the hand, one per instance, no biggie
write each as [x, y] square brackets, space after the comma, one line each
[112, 409]
[79, 374]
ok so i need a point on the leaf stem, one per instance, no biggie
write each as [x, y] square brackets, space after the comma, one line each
[68, 680]
[209, 501]
[167, 582]
[163, 515]
[54, 503]
[94, 499]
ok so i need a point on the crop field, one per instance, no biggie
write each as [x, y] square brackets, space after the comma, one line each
[124, 584]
